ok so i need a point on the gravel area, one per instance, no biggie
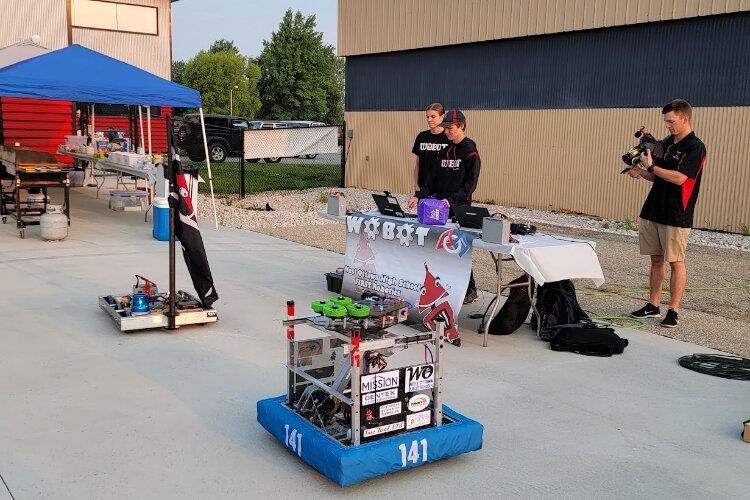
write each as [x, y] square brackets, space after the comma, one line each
[715, 310]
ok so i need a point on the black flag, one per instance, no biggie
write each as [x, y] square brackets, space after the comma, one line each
[186, 225]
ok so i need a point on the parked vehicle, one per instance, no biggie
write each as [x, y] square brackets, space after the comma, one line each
[223, 134]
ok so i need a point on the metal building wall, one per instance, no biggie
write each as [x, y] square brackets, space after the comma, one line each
[23, 18]
[566, 159]
[367, 26]
[626, 66]
[148, 52]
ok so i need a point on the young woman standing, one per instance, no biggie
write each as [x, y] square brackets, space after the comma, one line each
[428, 144]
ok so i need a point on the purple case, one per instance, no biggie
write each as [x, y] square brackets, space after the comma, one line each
[433, 212]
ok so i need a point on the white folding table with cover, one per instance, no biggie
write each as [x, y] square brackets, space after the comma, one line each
[544, 258]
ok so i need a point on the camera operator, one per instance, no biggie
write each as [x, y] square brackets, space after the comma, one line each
[667, 214]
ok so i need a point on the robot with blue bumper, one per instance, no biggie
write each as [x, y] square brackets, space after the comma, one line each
[364, 392]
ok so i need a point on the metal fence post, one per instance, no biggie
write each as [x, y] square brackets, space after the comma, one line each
[242, 163]
[343, 154]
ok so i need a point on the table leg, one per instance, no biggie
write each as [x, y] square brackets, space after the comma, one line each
[66, 189]
[88, 174]
[150, 191]
[532, 299]
[498, 258]
[99, 185]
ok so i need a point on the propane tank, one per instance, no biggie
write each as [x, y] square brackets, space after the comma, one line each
[54, 224]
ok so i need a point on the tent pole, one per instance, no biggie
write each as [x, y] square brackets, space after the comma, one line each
[208, 164]
[93, 127]
[148, 122]
[140, 126]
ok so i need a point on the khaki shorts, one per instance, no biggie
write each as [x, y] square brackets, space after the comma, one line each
[660, 239]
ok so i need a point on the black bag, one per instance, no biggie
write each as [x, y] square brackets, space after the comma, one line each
[557, 304]
[515, 310]
[588, 339]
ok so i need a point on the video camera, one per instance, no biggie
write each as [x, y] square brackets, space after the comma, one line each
[647, 141]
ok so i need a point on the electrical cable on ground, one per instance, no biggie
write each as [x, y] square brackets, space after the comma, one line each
[617, 321]
[718, 365]
[645, 290]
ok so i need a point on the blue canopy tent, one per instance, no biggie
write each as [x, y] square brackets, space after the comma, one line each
[76, 73]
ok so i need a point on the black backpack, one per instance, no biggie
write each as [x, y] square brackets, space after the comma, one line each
[586, 338]
[515, 310]
[557, 304]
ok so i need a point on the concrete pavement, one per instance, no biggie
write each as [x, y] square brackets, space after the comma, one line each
[89, 412]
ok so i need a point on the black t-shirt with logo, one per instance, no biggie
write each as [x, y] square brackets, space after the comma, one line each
[668, 203]
[427, 146]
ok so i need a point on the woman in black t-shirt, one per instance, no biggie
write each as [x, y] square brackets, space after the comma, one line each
[428, 144]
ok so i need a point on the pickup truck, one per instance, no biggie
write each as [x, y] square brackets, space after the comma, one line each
[223, 134]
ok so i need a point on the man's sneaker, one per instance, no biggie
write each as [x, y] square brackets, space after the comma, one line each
[471, 296]
[671, 319]
[647, 311]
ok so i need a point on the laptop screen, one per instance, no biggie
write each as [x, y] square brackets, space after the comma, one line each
[471, 217]
[389, 205]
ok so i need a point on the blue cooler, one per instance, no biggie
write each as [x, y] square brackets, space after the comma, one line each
[161, 219]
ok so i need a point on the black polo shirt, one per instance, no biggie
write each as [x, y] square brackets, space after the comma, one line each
[669, 203]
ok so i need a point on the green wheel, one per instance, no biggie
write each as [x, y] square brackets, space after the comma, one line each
[334, 311]
[358, 310]
[317, 305]
[340, 300]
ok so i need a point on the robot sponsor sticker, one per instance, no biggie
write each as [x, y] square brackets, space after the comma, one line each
[386, 395]
[418, 402]
[396, 426]
[418, 419]
[419, 378]
[379, 381]
[390, 409]
[379, 397]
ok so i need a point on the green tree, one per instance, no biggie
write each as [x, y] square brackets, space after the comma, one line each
[301, 77]
[252, 73]
[215, 74]
[178, 68]
[222, 45]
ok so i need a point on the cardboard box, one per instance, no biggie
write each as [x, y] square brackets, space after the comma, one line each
[746, 432]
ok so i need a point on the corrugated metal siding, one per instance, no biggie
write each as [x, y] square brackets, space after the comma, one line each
[565, 160]
[23, 18]
[35, 123]
[598, 68]
[367, 26]
[148, 52]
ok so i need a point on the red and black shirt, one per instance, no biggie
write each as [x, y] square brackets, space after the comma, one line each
[455, 175]
[668, 203]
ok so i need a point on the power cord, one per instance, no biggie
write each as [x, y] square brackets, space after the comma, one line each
[645, 290]
[616, 321]
[718, 365]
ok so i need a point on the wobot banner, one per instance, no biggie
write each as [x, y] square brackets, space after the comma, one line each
[427, 266]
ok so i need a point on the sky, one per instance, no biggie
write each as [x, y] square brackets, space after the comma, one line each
[196, 24]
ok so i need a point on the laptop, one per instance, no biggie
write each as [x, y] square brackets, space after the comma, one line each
[470, 217]
[389, 205]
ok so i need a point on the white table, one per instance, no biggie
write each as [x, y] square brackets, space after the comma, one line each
[106, 165]
[546, 258]
[88, 170]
